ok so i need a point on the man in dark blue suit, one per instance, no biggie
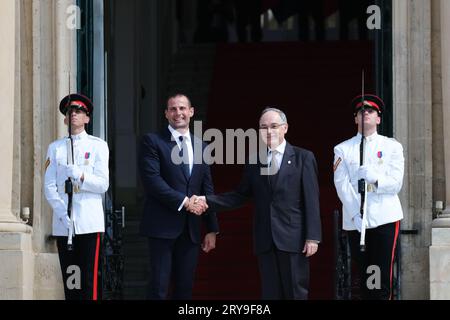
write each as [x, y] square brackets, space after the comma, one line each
[287, 227]
[170, 177]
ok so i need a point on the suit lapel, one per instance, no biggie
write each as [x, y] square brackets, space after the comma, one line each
[286, 163]
[173, 144]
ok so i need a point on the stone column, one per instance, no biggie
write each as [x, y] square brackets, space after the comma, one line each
[7, 69]
[16, 279]
[440, 248]
[412, 111]
[8, 221]
[445, 49]
[65, 52]
[53, 48]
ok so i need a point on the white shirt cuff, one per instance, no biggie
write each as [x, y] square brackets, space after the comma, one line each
[182, 204]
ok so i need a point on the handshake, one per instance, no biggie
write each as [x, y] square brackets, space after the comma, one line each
[196, 204]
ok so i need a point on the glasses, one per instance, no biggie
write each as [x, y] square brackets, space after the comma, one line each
[273, 126]
[368, 110]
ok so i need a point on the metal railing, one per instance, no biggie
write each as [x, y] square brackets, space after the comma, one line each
[346, 286]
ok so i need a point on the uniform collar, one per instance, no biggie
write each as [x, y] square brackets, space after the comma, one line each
[370, 138]
[176, 134]
[280, 148]
[80, 136]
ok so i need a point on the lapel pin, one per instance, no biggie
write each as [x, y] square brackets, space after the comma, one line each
[289, 161]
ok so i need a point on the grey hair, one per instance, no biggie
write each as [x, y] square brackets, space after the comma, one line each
[280, 113]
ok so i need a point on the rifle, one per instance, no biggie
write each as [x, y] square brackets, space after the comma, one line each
[68, 182]
[362, 186]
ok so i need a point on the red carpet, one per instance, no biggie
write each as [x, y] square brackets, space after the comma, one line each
[313, 84]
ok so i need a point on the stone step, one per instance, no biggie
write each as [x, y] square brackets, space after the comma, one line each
[196, 56]
[193, 82]
[136, 275]
[132, 225]
[204, 70]
[139, 249]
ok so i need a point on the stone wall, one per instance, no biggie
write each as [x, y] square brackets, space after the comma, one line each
[413, 128]
[38, 53]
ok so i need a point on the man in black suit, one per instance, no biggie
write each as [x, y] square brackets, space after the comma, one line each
[170, 177]
[287, 227]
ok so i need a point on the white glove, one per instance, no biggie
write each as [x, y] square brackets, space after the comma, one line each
[367, 173]
[65, 221]
[72, 171]
[357, 222]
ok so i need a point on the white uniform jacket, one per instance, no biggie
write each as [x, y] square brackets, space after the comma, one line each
[386, 156]
[91, 155]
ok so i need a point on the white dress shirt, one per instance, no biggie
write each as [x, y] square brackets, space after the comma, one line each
[176, 136]
[278, 155]
[187, 136]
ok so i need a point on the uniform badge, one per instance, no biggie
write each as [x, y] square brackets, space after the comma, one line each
[380, 156]
[336, 164]
[86, 158]
[47, 163]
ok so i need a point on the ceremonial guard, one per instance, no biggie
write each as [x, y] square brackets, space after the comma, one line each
[378, 219]
[76, 176]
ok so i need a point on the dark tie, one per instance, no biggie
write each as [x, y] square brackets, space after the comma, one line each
[273, 169]
[185, 156]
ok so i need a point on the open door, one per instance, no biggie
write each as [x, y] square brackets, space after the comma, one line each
[132, 52]
[93, 82]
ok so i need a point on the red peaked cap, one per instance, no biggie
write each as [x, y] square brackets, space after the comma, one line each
[76, 101]
[370, 101]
